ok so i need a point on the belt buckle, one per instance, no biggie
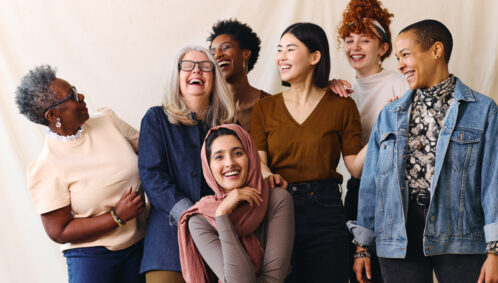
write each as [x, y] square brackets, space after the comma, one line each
[419, 201]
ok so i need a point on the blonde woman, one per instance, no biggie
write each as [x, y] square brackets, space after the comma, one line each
[169, 161]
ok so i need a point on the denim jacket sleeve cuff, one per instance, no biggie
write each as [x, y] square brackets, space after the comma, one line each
[491, 232]
[180, 207]
[361, 234]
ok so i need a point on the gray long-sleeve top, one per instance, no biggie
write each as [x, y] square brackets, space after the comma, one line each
[225, 255]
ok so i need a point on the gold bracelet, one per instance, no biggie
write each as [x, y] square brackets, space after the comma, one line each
[116, 218]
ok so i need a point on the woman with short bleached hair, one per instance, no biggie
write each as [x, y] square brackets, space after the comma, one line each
[171, 136]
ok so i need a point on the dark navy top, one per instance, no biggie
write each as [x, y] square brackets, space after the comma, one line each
[170, 169]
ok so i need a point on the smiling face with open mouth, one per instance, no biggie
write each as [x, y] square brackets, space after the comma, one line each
[195, 84]
[294, 60]
[416, 64]
[229, 56]
[363, 53]
[229, 162]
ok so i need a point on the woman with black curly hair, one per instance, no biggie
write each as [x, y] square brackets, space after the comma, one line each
[235, 46]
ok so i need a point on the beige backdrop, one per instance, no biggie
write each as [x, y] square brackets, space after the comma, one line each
[118, 53]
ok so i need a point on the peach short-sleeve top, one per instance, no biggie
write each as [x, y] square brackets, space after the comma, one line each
[90, 173]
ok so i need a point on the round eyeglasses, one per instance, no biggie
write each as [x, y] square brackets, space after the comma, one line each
[188, 65]
[72, 95]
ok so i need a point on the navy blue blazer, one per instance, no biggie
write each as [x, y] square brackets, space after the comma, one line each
[170, 169]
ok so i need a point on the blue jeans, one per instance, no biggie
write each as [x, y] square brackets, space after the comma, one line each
[100, 265]
[417, 268]
[321, 245]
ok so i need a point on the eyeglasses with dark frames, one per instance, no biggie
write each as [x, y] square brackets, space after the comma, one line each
[188, 65]
[72, 95]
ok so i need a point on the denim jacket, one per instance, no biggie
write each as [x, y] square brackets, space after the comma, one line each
[463, 211]
[170, 168]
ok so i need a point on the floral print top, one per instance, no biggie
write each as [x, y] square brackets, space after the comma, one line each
[428, 111]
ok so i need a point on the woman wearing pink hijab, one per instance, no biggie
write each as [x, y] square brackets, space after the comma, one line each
[243, 233]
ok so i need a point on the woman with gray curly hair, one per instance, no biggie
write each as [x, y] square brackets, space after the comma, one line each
[169, 161]
[85, 182]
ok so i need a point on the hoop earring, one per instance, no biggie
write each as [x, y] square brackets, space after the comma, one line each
[58, 122]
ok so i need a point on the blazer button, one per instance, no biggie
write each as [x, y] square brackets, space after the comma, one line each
[193, 174]
[433, 218]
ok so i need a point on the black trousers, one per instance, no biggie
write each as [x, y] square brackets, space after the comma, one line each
[417, 268]
[321, 245]
[351, 211]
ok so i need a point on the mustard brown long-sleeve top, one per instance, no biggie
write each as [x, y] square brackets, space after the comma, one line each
[309, 151]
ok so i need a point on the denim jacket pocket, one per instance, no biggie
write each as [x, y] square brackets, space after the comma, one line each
[464, 148]
[386, 153]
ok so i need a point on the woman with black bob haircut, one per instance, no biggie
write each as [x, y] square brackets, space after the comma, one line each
[235, 46]
[300, 135]
[315, 39]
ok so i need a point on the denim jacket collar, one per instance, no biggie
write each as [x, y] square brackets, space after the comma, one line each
[462, 93]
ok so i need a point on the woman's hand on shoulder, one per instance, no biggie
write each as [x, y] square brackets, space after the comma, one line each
[340, 87]
[235, 196]
[389, 100]
[130, 205]
[276, 180]
[489, 270]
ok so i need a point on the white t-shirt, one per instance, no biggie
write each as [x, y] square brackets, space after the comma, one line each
[90, 173]
[371, 95]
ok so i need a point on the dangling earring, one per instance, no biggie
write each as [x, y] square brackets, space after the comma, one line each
[244, 65]
[58, 122]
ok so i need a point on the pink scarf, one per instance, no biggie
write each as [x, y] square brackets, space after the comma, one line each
[244, 218]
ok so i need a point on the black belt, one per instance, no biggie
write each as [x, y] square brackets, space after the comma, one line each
[311, 186]
[422, 198]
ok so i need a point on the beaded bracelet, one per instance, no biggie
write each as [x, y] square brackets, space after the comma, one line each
[362, 254]
[116, 218]
[359, 245]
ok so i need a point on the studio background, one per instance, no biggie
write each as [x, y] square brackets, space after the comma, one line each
[118, 54]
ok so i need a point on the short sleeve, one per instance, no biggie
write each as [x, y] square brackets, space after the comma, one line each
[258, 128]
[47, 186]
[128, 132]
[351, 136]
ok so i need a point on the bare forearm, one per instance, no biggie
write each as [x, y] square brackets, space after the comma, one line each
[87, 229]
[265, 170]
[62, 228]
[354, 163]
